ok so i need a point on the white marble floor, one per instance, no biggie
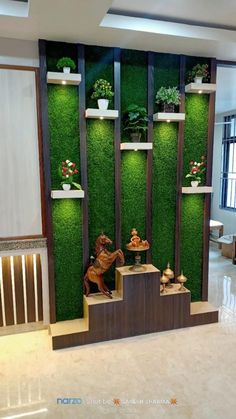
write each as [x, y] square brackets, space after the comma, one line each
[188, 373]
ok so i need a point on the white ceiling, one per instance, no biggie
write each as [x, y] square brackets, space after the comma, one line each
[79, 21]
[207, 11]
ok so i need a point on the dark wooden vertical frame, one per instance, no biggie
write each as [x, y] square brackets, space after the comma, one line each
[150, 57]
[207, 201]
[117, 128]
[179, 167]
[7, 287]
[47, 175]
[83, 153]
[19, 292]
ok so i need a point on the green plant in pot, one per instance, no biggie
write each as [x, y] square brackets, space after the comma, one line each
[102, 92]
[196, 170]
[67, 64]
[67, 171]
[199, 73]
[168, 97]
[135, 121]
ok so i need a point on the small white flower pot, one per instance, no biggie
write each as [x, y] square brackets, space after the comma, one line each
[198, 80]
[194, 183]
[66, 186]
[66, 70]
[103, 104]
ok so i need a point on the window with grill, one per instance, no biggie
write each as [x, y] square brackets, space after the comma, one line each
[228, 170]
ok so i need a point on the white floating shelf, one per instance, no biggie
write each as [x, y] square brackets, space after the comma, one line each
[197, 189]
[136, 146]
[200, 88]
[60, 194]
[169, 116]
[63, 78]
[101, 114]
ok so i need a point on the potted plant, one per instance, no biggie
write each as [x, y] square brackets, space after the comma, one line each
[66, 64]
[102, 92]
[135, 121]
[199, 72]
[196, 170]
[67, 170]
[168, 97]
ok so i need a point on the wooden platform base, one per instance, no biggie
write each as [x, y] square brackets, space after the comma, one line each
[137, 307]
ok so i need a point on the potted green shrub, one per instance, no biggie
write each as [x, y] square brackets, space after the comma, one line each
[199, 72]
[135, 121]
[66, 64]
[102, 92]
[168, 97]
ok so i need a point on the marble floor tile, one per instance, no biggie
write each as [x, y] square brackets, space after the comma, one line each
[183, 374]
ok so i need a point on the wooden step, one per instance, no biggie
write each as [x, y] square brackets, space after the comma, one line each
[202, 312]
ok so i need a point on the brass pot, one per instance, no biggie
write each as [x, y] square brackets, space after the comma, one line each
[168, 272]
[164, 280]
[182, 279]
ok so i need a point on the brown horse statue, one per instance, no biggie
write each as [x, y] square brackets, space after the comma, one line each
[102, 263]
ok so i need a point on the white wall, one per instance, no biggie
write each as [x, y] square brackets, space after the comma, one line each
[228, 218]
[18, 52]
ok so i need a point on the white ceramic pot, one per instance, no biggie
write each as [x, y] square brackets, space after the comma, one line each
[66, 186]
[198, 80]
[103, 104]
[194, 183]
[66, 70]
[135, 137]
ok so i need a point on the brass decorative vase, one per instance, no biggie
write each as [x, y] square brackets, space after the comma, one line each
[164, 280]
[170, 274]
[182, 279]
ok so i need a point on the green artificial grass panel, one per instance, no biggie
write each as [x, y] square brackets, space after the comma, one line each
[191, 243]
[165, 142]
[165, 138]
[196, 131]
[166, 72]
[98, 65]
[67, 234]
[195, 145]
[133, 198]
[101, 164]
[66, 214]
[133, 83]
[64, 129]
[101, 180]
[133, 164]
[57, 50]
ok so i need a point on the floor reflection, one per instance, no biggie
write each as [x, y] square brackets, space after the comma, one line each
[222, 284]
[18, 395]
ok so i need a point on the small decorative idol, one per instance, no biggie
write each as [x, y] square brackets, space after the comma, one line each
[136, 242]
